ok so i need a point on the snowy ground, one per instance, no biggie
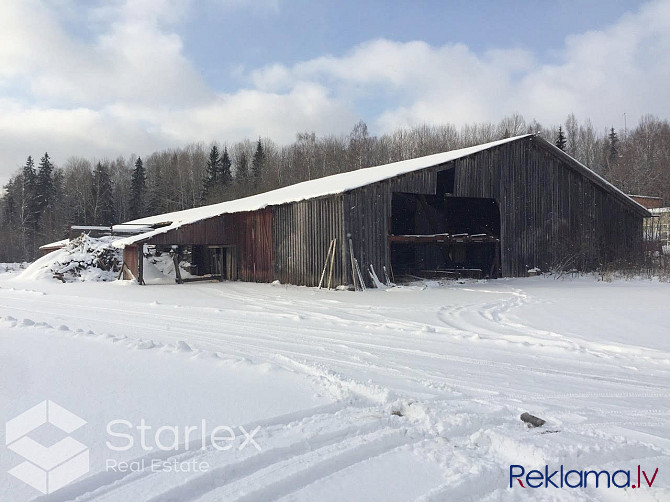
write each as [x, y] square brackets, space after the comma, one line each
[405, 394]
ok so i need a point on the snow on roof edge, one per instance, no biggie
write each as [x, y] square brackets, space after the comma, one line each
[56, 244]
[320, 187]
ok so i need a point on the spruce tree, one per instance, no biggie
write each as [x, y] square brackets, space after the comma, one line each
[258, 162]
[28, 203]
[242, 168]
[226, 173]
[212, 174]
[614, 148]
[138, 187]
[44, 186]
[102, 212]
[561, 142]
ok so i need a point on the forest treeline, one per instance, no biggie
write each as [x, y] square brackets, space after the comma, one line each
[42, 198]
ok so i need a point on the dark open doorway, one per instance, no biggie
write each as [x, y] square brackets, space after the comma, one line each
[214, 262]
[443, 235]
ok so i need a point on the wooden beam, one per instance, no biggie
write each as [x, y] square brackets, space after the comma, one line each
[443, 238]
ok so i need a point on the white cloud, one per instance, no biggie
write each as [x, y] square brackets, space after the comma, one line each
[127, 87]
[600, 74]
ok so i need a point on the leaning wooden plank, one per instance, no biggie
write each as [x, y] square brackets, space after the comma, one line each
[353, 264]
[360, 276]
[386, 276]
[325, 264]
[332, 264]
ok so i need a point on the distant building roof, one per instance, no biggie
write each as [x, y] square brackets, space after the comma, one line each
[648, 201]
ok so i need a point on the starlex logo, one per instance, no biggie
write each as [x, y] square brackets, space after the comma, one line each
[47, 469]
[573, 478]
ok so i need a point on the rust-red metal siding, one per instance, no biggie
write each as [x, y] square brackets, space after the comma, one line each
[250, 232]
[130, 261]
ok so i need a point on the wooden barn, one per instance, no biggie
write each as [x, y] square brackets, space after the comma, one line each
[498, 209]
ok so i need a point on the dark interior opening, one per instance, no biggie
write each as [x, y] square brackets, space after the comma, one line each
[443, 235]
[196, 262]
[216, 262]
[445, 181]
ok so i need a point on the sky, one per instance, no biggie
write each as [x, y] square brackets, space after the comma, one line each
[99, 79]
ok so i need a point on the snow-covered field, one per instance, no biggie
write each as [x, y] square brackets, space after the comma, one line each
[407, 394]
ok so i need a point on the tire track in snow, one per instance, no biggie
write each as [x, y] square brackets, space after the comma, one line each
[108, 483]
[253, 347]
[290, 475]
[247, 347]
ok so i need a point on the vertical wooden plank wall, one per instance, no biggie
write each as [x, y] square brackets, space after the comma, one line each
[549, 211]
[302, 232]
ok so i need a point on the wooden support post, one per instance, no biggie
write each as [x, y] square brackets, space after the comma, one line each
[140, 264]
[360, 275]
[222, 262]
[177, 273]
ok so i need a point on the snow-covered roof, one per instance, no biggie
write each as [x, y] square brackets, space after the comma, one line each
[659, 210]
[337, 183]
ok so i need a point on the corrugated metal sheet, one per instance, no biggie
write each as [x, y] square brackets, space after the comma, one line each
[130, 261]
[250, 233]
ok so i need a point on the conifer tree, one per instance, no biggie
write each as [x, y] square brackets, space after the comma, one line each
[138, 187]
[28, 212]
[212, 174]
[614, 148]
[242, 168]
[102, 211]
[560, 139]
[226, 173]
[258, 162]
[44, 186]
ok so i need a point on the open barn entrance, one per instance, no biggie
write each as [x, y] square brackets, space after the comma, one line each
[443, 235]
[189, 263]
[214, 262]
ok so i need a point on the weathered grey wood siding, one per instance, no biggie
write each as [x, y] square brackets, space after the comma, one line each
[550, 210]
[302, 232]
